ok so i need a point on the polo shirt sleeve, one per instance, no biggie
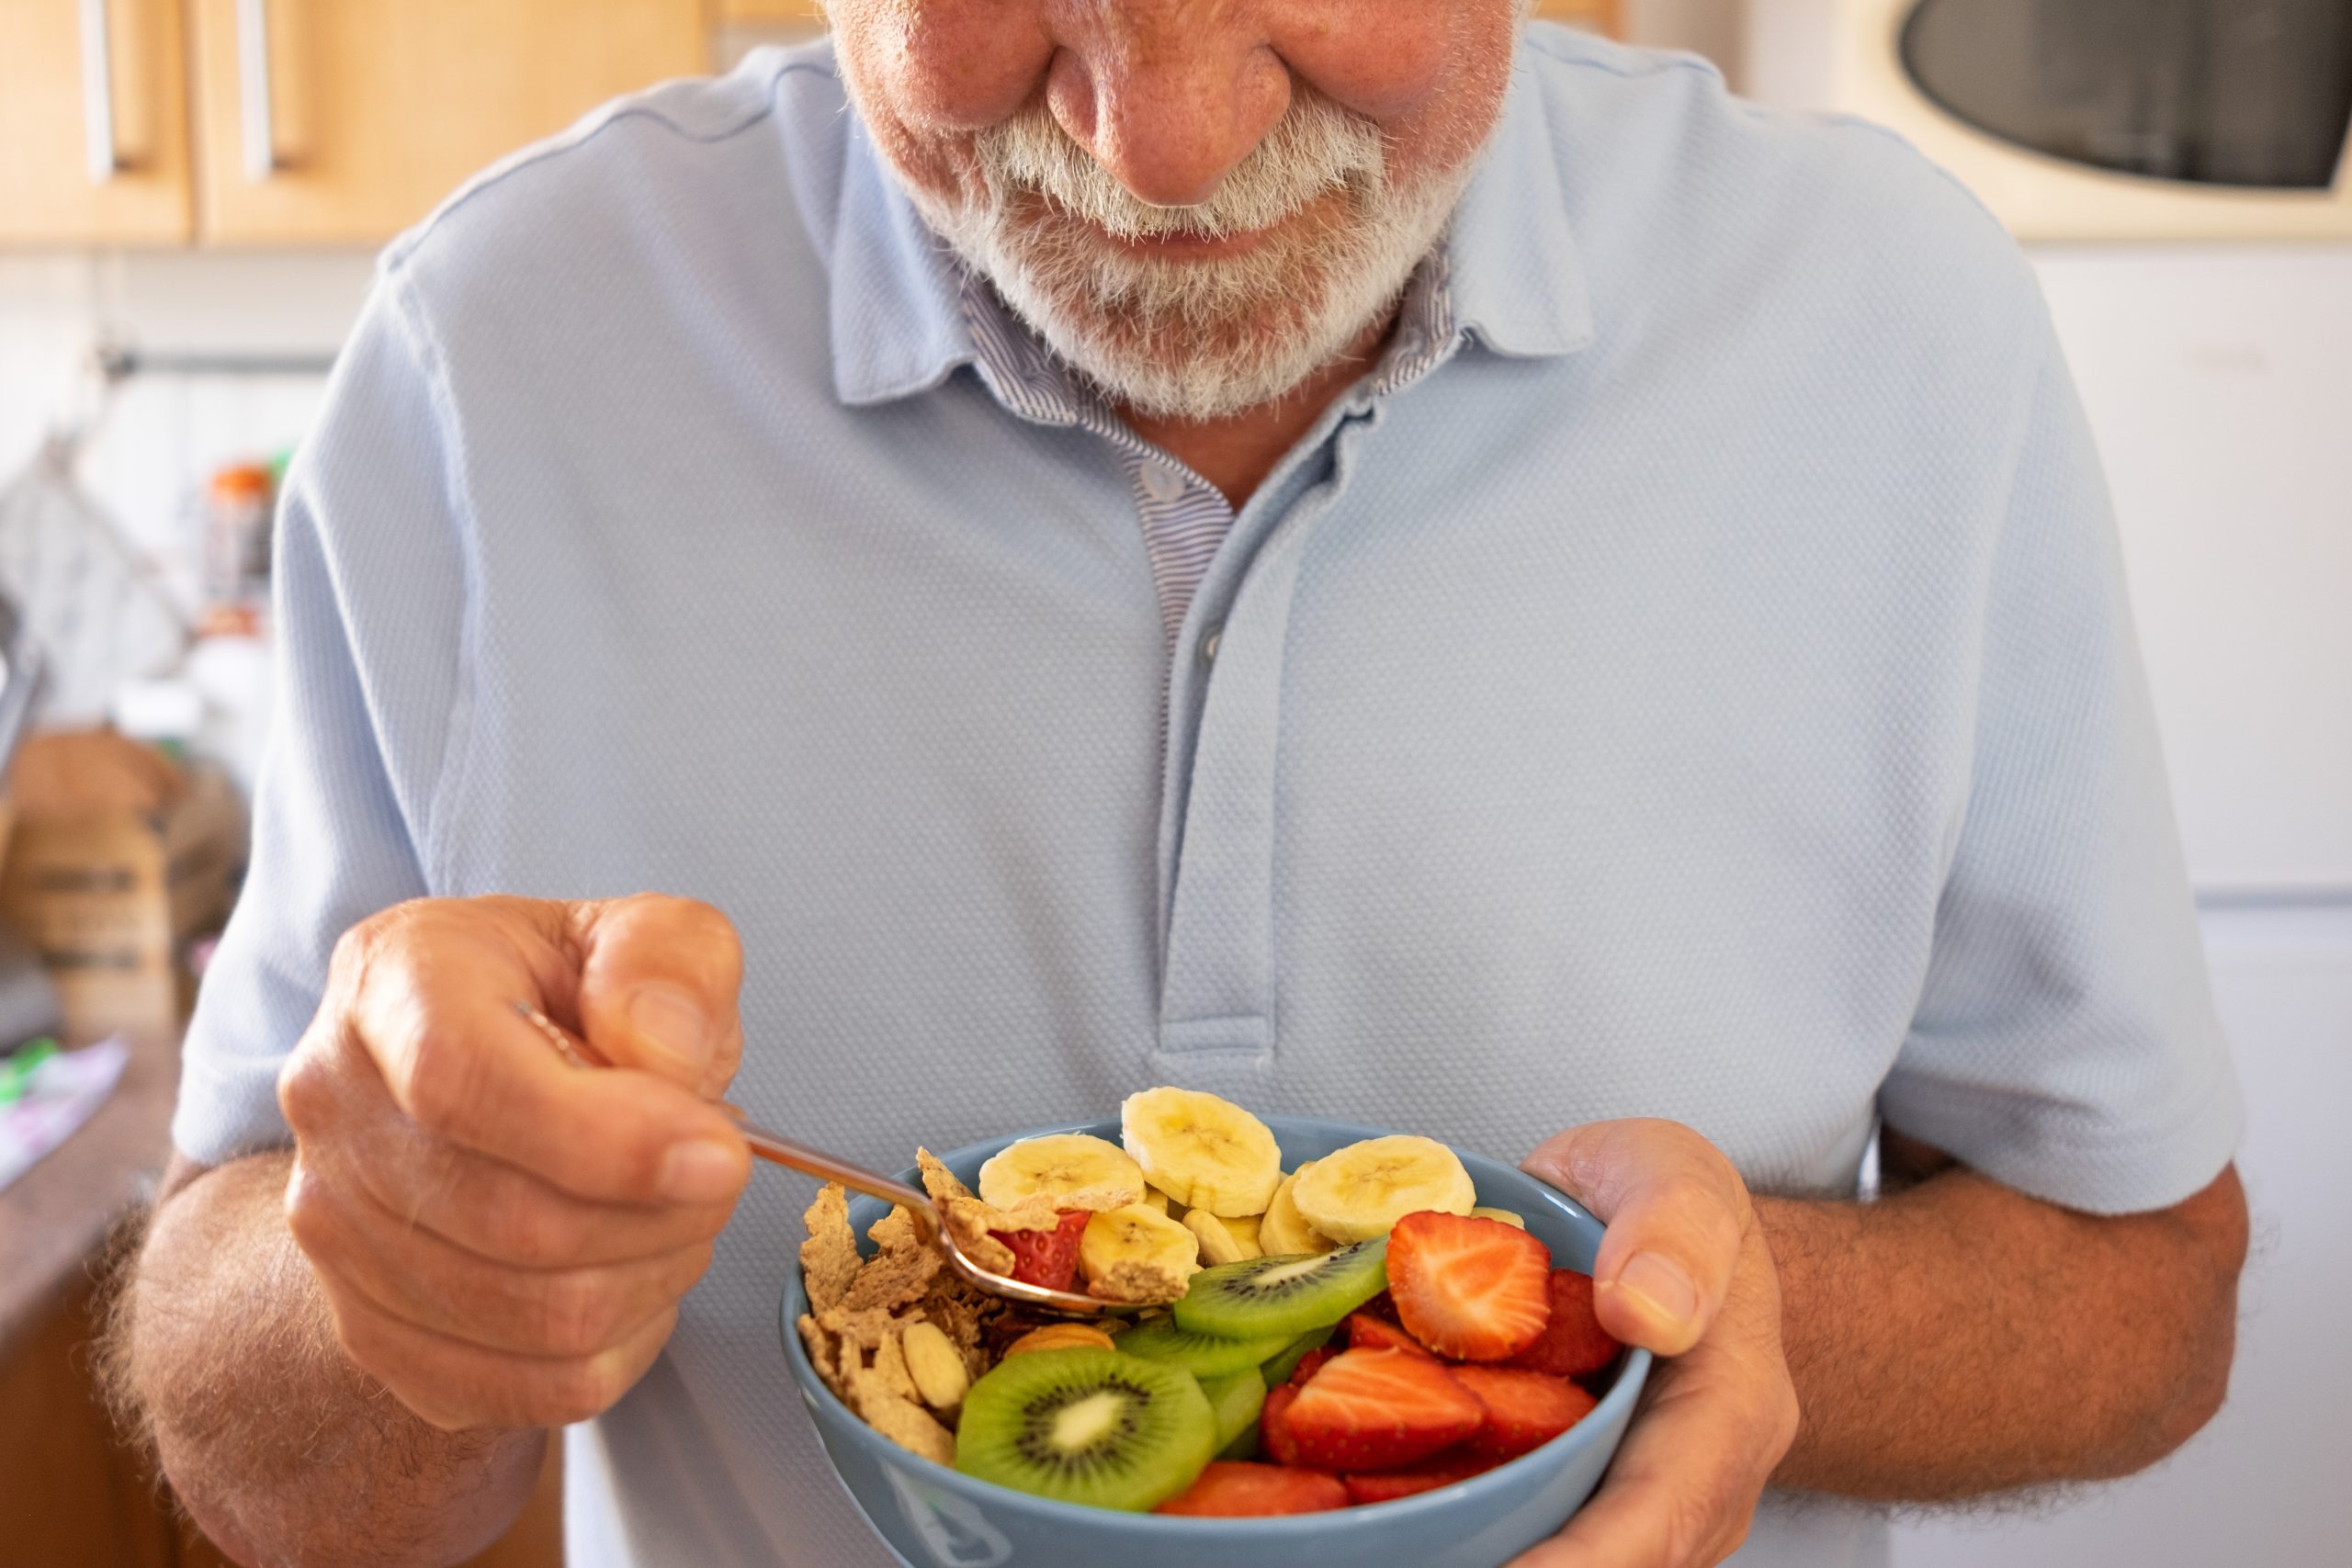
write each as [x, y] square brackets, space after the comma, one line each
[369, 603]
[2065, 1041]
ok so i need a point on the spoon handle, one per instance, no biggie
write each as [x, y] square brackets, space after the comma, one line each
[764, 1142]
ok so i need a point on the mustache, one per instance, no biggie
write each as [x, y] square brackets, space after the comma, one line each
[1316, 147]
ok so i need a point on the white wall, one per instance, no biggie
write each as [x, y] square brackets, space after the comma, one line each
[161, 435]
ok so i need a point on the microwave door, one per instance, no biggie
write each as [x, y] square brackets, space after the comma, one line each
[2240, 93]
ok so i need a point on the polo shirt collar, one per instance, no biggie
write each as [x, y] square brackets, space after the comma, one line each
[900, 323]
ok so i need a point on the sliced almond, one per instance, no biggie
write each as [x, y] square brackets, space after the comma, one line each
[935, 1366]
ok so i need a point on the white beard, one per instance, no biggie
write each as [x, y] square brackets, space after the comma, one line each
[1198, 338]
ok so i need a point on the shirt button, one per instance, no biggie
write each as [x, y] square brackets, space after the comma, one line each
[1161, 482]
[1209, 640]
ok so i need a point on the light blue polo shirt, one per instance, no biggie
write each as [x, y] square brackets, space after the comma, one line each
[1697, 685]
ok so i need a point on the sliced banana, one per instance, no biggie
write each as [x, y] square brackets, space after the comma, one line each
[1219, 1244]
[1361, 1192]
[1203, 1152]
[1515, 1222]
[1155, 1197]
[1076, 1169]
[1283, 1231]
[1137, 1254]
[1244, 1228]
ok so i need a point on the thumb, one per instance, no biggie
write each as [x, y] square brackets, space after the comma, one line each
[658, 982]
[1676, 1213]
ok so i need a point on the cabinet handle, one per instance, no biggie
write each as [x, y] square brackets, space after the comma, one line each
[253, 90]
[102, 157]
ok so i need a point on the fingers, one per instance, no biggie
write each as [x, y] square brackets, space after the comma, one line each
[1715, 1424]
[657, 987]
[415, 1277]
[436, 1024]
[496, 1211]
[458, 1387]
[1676, 1213]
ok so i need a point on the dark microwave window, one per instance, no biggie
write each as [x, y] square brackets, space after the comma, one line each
[2220, 91]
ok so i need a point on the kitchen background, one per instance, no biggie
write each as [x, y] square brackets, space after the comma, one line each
[2217, 367]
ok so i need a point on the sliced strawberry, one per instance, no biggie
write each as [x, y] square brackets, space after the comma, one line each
[1366, 1332]
[1379, 1409]
[1383, 1485]
[1471, 1289]
[1238, 1489]
[1381, 1305]
[1573, 1344]
[1274, 1424]
[1047, 1258]
[1310, 1364]
[1524, 1410]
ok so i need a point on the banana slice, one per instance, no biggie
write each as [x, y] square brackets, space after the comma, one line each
[1360, 1192]
[1244, 1228]
[1220, 1241]
[1515, 1222]
[1075, 1169]
[1137, 1254]
[1203, 1152]
[1283, 1231]
[1155, 1197]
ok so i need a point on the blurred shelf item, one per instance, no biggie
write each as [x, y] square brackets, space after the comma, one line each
[94, 114]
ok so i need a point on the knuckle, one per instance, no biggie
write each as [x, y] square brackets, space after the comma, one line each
[440, 1078]
[308, 1211]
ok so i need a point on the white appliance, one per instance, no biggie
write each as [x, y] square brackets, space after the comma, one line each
[2209, 327]
[2094, 119]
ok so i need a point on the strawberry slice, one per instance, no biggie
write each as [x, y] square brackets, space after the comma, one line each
[1573, 1344]
[1524, 1410]
[1471, 1289]
[1047, 1258]
[1274, 1424]
[1310, 1364]
[1232, 1489]
[1384, 1485]
[1366, 1332]
[1378, 1410]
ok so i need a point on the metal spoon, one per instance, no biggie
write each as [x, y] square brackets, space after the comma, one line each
[775, 1146]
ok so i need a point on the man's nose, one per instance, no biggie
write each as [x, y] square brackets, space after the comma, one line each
[1168, 112]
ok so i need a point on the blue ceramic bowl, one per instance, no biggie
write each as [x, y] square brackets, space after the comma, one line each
[935, 1518]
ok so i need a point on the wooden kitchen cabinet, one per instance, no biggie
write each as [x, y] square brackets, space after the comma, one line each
[93, 123]
[343, 121]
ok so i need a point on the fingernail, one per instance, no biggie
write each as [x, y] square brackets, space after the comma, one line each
[698, 1172]
[1662, 1286]
[668, 1016]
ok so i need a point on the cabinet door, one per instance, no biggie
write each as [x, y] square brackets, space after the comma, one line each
[343, 121]
[93, 123]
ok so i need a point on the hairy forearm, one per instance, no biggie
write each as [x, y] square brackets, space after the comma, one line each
[1957, 1338]
[283, 1451]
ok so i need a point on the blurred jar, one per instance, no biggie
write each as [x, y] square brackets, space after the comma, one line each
[237, 507]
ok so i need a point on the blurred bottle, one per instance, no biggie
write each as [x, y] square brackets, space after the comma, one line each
[238, 504]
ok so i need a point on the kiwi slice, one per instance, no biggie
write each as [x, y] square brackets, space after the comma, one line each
[1235, 1401]
[1092, 1427]
[1277, 1371]
[1204, 1356]
[1283, 1296]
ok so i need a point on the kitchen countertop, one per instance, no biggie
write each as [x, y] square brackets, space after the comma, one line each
[56, 1219]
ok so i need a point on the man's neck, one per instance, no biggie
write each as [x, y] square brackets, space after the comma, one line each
[1236, 453]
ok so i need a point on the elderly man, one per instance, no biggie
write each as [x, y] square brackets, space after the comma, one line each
[1359, 554]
